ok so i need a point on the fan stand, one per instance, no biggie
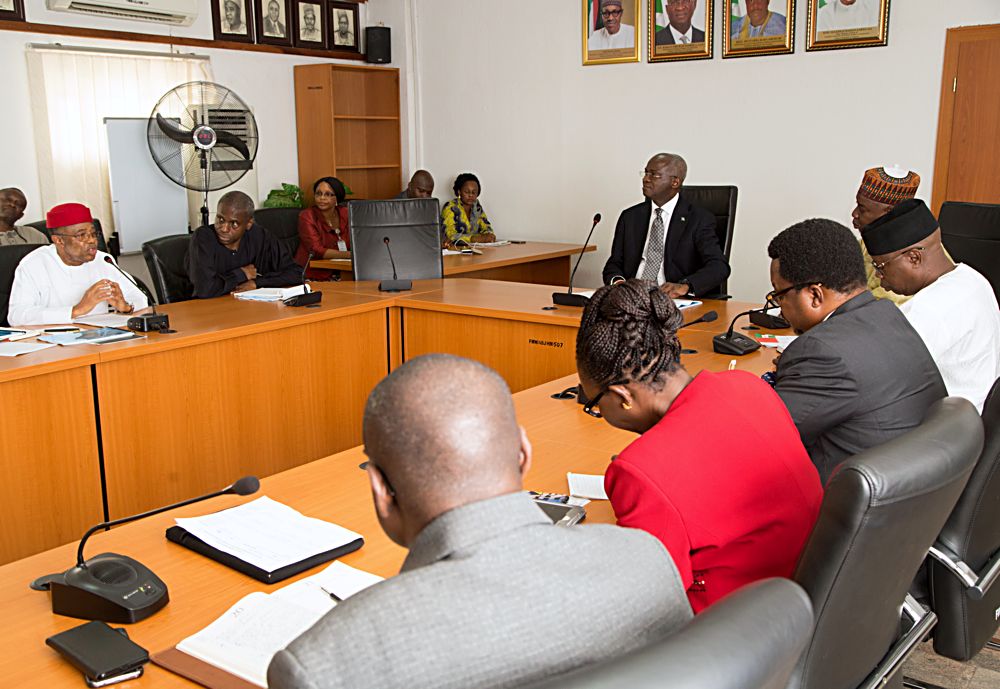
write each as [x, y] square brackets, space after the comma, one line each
[204, 212]
[204, 208]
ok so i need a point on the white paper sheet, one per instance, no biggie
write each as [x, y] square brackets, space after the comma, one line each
[267, 533]
[271, 293]
[105, 320]
[586, 486]
[19, 348]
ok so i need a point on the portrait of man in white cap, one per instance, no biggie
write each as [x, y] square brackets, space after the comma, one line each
[309, 24]
[840, 15]
[233, 13]
[615, 34]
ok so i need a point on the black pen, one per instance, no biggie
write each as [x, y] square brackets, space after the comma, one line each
[332, 595]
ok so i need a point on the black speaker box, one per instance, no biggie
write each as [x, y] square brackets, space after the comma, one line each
[378, 45]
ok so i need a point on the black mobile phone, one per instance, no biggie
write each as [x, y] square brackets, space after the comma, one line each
[98, 651]
[108, 681]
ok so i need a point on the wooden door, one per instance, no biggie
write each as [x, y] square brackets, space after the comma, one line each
[967, 164]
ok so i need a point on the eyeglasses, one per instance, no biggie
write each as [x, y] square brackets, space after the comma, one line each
[880, 266]
[364, 467]
[655, 175]
[589, 406]
[773, 297]
[680, 2]
[78, 236]
[611, 13]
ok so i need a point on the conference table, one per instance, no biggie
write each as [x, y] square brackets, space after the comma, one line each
[332, 488]
[542, 263]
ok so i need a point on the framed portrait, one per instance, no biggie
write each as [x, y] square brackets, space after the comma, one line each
[344, 34]
[310, 23]
[273, 25]
[679, 30]
[609, 31]
[758, 27]
[12, 10]
[834, 24]
[232, 20]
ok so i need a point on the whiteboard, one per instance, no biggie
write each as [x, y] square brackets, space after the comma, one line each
[144, 203]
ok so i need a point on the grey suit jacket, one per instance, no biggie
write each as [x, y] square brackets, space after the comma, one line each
[493, 595]
[858, 379]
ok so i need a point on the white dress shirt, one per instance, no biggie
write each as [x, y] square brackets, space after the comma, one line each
[668, 212]
[45, 289]
[602, 40]
[677, 34]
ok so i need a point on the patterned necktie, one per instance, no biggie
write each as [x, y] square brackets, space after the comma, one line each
[654, 253]
[685, 40]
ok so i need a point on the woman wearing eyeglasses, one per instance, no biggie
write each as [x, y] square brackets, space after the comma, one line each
[323, 227]
[718, 472]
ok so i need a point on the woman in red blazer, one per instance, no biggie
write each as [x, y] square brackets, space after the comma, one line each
[718, 472]
[323, 227]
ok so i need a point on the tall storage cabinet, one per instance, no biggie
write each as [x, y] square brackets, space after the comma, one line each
[348, 127]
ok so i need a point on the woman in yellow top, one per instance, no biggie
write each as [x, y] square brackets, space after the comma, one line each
[463, 217]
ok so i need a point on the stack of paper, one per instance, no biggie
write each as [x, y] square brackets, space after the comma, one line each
[105, 320]
[19, 348]
[271, 293]
[586, 486]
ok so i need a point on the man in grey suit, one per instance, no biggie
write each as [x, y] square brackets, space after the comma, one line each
[491, 593]
[858, 374]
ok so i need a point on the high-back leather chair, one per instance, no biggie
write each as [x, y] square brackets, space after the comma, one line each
[750, 639]
[414, 230]
[720, 201]
[166, 258]
[881, 511]
[965, 560]
[971, 234]
[283, 223]
[10, 257]
[102, 244]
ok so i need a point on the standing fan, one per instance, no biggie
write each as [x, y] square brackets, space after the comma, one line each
[216, 131]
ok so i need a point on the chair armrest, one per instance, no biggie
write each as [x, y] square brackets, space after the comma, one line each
[922, 621]
[976, 585]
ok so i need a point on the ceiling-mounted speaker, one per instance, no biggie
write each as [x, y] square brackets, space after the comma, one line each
[378, 45]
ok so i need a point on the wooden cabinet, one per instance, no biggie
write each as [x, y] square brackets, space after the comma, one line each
[347, 119]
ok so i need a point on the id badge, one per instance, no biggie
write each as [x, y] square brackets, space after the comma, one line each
[341, 245]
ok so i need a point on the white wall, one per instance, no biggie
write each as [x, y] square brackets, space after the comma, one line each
[503, 94]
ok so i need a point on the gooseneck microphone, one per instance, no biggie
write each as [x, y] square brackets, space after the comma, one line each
[308, 297]
[147, 322]
[734, 343]
[113, 587]
[567, 298]
[394, 285]
[704, 318]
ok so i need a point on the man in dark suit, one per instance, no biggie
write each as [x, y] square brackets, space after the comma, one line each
[858, 374]
[679, 13]
[665, 238]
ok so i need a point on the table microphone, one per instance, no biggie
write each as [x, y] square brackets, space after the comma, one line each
[568, 298]
[116, 588]
[704, 318]
[736, 344]
[394, 285]
[308, 297]
[147, 322]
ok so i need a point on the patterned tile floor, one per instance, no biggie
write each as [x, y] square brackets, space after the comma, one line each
[982, 672]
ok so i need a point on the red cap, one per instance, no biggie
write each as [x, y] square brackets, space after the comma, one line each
[66, 214]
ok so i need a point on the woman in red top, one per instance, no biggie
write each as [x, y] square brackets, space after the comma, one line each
[323, 227]
[718, 473]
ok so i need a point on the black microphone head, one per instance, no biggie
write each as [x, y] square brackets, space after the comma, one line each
[710, 316]
[108, 259]
[245, 486]
[597, 218]
[385, 239]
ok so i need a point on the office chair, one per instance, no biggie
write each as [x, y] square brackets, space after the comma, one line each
[414, 230]
[881, 511]
[971, 234]
[750, 639]
[10, 257]
[720, 201]
[102, 244]
[166, 258]
[283, 223]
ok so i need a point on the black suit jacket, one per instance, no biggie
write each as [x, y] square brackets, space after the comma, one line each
[858, 379]
[665, 37]
[692, 250]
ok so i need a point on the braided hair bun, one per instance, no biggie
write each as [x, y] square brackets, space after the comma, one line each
[629, 332]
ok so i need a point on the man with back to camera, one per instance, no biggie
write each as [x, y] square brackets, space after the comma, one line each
[236, 254]
[666, 238]
[953, 307]
[490, 589]
[858, 374]
[614, 34]
[12, 205]
[69, 278]
[679, 31]
[421, 186]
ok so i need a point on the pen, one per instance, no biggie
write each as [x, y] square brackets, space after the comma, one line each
[732, 364]
[332, 595]
[62, 330]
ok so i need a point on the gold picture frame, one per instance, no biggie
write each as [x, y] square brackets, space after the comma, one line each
[603, 48]
[751, 28]
[857, 24]
[667, 20]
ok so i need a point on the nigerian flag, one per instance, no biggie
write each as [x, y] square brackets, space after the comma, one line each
[661, 15]
[737, 10]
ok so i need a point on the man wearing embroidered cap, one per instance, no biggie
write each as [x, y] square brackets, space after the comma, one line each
[953, 307]
[614, 34]
[69, 278]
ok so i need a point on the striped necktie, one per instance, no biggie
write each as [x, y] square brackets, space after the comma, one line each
[654, 251]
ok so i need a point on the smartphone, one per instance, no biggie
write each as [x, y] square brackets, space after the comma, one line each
[107, 681]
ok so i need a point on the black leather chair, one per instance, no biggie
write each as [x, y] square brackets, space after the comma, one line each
[720, 201]
[751, 639]
[283, 223]
[881, 511]
[965, 560]
[971, 234]
[166, 258]
[102, 244]
[10, 256]
[414, 229]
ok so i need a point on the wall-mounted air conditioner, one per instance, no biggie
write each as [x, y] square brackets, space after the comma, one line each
[176, 12]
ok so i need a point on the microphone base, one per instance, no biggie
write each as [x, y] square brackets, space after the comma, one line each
[569, 299]
[735, 344]
[306, 299]
[149, 322]
[110, 588]
[395, 285]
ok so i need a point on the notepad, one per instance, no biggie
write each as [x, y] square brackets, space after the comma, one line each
[586, 486]
[19, 348]
[105, 320]
[271, 293]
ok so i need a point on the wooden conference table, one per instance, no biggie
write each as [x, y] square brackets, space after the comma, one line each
[334, 489]
[540, 263]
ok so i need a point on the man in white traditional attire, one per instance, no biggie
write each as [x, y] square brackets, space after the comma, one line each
[837, 15]
[69, 278]
[614, 34]
[953, 308]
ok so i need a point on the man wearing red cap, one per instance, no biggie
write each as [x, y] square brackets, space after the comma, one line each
[69, 278]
